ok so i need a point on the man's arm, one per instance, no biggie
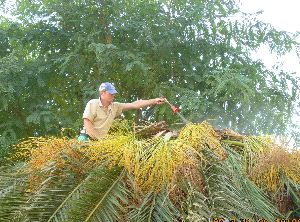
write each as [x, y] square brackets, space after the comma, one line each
[90, 130]
[142, 103]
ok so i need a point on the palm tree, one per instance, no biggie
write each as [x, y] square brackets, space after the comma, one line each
[200, 175]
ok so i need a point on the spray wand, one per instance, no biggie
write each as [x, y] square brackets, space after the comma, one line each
[176, 110]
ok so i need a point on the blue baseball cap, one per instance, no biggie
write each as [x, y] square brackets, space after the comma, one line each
[108, 87]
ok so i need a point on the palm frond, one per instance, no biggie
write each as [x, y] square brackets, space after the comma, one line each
[230, 193]
[42, 203]
[197, 206]
[154, 207]
[294, 190]
[104, 197]
[61, 212]
[13, 183]
[249, 192]
[58, 195]
[18, 202]
[225, 197]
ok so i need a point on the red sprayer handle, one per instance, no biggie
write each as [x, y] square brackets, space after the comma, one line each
[176, 110]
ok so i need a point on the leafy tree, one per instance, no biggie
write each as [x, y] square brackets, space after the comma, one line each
[197, 53]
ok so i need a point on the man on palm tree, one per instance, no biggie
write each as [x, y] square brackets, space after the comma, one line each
[100, 113]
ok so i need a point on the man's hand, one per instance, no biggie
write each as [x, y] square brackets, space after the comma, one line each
[159, 101]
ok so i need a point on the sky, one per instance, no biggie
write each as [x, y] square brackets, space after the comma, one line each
[284, 15]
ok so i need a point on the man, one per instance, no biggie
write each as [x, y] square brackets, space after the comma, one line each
[99, 114]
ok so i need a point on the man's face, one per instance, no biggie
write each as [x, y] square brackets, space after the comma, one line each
[106, 96]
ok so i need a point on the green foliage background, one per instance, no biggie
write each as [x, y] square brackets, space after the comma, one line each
[197, 53]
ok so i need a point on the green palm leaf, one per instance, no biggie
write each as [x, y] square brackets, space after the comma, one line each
[103, 198]
[60, 214]
[260, 203]
[60, 195]
[197, 207]
[230, 194]
[19, 203]
[45, 201]
[154, 207]
[13, 183]
[293, 190]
